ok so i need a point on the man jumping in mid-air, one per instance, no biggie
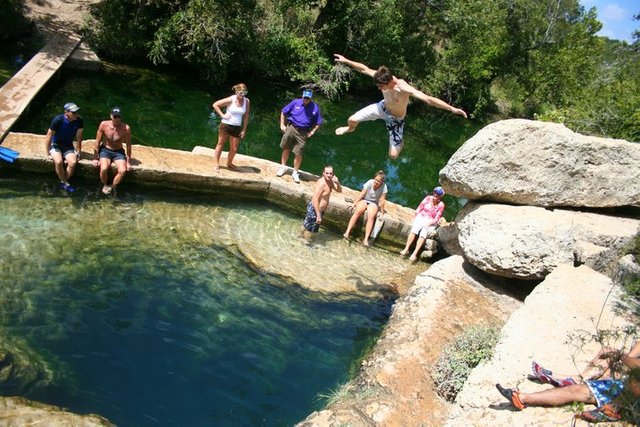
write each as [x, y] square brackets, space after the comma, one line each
[393, 107]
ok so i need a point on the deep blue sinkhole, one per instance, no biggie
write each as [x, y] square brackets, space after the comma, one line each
[164, 331]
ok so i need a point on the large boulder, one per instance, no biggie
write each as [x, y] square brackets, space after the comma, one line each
[535, 163]
[570, 304]
[527, 242]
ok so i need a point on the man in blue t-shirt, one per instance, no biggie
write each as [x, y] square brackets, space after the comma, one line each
[299, 120]
[63, 130]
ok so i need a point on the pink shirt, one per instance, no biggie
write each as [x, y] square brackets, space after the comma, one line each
[429, 210]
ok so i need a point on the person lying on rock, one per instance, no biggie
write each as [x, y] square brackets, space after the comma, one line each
[601, 392]
[598, 368]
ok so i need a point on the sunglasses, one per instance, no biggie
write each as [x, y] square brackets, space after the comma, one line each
[117, 116]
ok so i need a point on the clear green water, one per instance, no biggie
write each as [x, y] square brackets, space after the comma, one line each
[143, 309]
[171, 110]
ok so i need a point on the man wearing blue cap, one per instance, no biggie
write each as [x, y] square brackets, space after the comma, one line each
[299, 120]
[64, 128]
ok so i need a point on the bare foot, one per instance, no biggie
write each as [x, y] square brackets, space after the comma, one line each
[106, 189]
[216, 168]
[413, 258]
[232, 167]
[342, 130]
[346, 236]
[365, 243]
[404, 252]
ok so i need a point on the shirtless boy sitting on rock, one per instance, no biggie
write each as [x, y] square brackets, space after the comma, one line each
[320, 201]
[111, 135]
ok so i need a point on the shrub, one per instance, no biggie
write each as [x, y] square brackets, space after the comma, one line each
[471, 347]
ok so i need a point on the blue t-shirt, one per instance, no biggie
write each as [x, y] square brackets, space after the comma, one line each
[303, 116]
[65, 130]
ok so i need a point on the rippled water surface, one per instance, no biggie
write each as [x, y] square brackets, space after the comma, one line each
[145, 310]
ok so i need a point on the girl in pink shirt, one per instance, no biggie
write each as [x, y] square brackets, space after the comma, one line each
[428, 214]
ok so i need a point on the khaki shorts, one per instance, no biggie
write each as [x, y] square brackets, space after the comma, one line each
[294, 140]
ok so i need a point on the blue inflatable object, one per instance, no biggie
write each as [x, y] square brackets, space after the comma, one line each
[8, 155]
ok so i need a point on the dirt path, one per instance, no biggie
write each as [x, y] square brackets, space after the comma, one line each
[55, 16]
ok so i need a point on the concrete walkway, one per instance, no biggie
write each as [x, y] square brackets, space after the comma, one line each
[17, 93]
[255, 179]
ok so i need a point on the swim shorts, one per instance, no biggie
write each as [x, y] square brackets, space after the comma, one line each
[394, 125]
[65, 150]
[310, 223]
[605, 390]
[106, 153]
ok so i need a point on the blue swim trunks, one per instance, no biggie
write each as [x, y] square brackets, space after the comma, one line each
[605, 390]
[310, 223]
[105, 153]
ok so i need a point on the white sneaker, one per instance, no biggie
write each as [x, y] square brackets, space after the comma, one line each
[296, 177]
[281, 170]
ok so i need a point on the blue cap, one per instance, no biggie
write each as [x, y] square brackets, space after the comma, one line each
[70, 106]
[439, 191]
[307, 94]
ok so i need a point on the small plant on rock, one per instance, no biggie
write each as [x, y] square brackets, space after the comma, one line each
[471, 347]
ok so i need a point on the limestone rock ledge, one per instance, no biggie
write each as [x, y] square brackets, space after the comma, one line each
[255, 179]
[394, 385]
[16, 411]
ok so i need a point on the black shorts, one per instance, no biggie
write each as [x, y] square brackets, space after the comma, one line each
[231, 130]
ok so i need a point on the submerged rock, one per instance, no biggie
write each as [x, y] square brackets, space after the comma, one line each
[536, 163]
[21, 368]
[16, 411]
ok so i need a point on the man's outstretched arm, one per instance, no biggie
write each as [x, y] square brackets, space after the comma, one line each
[430, 100]
[355, 65]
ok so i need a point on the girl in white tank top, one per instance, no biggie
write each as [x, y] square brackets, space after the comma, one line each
[233, 125]
[236, 111]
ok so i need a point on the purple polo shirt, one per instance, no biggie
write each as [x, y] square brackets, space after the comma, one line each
[303, 117]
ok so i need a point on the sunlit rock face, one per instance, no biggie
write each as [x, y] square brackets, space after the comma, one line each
[527, 242]
[536, 163]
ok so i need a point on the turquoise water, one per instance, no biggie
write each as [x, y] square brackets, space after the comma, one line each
[169, 109]
[141, 309]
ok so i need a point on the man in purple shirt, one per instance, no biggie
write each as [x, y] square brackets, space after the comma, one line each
[303, 119]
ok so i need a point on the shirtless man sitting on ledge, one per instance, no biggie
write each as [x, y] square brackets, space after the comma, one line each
[111, 135]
